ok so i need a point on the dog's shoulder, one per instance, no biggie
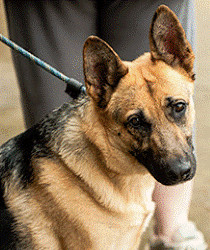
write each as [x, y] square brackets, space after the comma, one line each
[17, 153]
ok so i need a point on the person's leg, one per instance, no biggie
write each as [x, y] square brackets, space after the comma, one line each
[125, 25]
[172, 207]
[54, 31]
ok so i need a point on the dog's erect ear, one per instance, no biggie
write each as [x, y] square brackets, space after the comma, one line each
[168, 40]
[102, 68]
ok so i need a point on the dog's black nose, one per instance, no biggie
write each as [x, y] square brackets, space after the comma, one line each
[180, 171]
[186, 171]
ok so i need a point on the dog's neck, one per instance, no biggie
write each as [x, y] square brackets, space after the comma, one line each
[120, 189]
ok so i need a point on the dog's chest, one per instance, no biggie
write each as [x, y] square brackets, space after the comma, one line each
[115, 221]
[119, 232]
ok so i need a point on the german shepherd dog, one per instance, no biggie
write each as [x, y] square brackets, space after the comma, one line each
[83, 177]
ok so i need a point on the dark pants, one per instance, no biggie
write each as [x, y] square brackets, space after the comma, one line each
[55, 31]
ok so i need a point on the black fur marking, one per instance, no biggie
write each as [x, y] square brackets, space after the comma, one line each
[149, 86]
[190, 142]
[16, 154]
[8, 238]
[142, 126]
[193, 77]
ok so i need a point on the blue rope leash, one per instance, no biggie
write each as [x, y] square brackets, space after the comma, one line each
[72, 84]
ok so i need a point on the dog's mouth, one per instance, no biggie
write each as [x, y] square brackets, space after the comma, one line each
[168, 171]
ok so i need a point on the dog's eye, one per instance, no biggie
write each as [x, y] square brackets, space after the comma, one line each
[176, 109]
[134, 121]
[179, 107]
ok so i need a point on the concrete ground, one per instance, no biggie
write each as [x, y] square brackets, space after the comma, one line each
[11, 118]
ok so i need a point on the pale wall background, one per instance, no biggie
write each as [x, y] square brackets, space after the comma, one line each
[11, 120]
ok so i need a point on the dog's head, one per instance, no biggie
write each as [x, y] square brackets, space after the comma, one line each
[146, 105]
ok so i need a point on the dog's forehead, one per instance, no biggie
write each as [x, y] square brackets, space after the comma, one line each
[148, 84]
[158, 79]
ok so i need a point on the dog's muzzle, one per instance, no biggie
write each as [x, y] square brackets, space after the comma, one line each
[166, 170]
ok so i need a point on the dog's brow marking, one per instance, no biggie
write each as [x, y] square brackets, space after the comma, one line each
[149, 88]
[145, 128]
